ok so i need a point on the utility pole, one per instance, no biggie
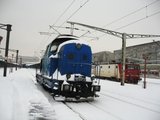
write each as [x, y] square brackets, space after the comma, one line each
[1, 39]
[123, 58]
[72, 28]
[17, 58]
[123, 36]
[8, 28]
[145, 57]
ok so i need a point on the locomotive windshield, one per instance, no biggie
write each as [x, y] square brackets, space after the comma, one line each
[133, 67]
[57, 42]
[53, 48]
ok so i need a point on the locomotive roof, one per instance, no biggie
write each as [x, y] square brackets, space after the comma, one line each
[64, 37]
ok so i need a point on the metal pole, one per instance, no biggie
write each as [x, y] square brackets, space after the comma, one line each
[17, 58]
[123, 57]
[72, 27]
[1, 39]
[145, 59]
[6, 50]
[20, 62]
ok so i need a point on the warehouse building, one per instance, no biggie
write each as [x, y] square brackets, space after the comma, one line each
[136, 53]
[103, 57]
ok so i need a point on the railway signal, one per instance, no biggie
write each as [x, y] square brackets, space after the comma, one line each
[123, 36]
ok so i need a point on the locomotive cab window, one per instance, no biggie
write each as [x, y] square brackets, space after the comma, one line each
[130, 67]
[53, 49]
[136, 67]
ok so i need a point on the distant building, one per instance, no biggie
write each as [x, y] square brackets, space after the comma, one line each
[28, 59]
[103, 57]
[135, 53]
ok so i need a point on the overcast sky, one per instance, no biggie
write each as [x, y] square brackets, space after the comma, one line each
[29, 17]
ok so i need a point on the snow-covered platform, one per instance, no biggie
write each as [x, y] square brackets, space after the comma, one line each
[21, 98]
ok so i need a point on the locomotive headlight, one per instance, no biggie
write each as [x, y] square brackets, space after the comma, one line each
[92, 77]
[78, 46]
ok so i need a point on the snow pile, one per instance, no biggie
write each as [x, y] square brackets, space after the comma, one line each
[40, 110]
[21, 100]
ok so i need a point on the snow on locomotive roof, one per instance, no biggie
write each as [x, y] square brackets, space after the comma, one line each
[67, 42]
[63, 37]
[66, 36]
[73, 41]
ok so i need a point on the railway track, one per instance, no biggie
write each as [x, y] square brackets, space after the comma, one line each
[107, 112]
[129, 102]
[69, 104]
[91, 103]
[133, 98]
[79, 114]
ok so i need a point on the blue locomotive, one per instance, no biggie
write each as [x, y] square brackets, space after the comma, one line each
[66, 68]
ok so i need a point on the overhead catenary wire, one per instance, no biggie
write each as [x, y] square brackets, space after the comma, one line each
[64, 12]
[74, 13]
[139, 9]
[136, 21]
[129, 14]
[66, 19]
[71, 15]
[67, 8]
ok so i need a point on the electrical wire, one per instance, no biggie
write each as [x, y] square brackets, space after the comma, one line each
[58, 20]
[114, 21]
[138, 20]
[147, 16]
[64, 12]
[74, 13]
[134, 22]
[67, 18]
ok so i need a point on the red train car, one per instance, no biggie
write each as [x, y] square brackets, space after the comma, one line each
[114, 72]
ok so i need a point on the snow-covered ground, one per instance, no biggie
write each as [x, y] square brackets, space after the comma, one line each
[21, 98]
